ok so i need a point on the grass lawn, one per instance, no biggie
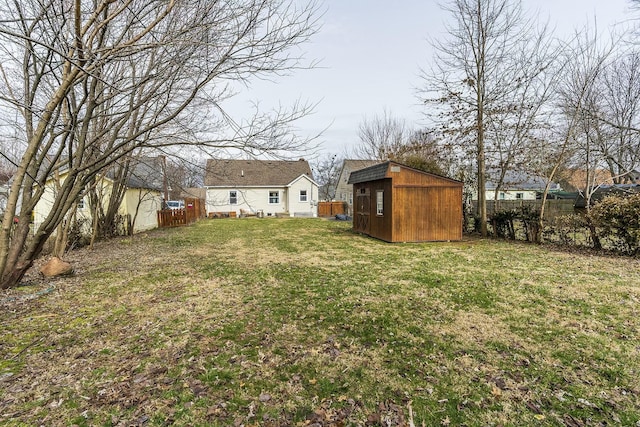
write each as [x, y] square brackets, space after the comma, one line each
[300, 322]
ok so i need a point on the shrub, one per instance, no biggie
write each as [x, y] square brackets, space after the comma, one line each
[502, 222]
[530, 218]
[565, 228]
[618, 220]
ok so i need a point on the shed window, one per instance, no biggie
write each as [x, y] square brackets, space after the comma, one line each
[303, 195]
[379, 202]
[233, 197]
[274, 197]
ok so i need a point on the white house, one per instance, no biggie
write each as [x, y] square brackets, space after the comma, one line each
[261, 186]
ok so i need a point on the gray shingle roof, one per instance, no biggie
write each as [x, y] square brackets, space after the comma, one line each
[254, 173]
[146, 173]
[517, 180]
[371, 173]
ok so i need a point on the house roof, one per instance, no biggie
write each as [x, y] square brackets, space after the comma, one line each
[518, 180]
[379, 171]
[254, 173]
[145, 173]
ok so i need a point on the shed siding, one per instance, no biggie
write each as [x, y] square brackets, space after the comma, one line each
[427, 214]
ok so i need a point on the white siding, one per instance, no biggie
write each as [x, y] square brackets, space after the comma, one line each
[147, 203]
[303, 208]
[250, 199]
[256, 199]
[512, 195]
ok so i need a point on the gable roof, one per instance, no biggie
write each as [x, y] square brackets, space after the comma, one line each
[301, 177]
[254, 173]
[379, 171]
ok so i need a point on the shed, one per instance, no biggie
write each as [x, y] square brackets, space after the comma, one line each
[396, 203]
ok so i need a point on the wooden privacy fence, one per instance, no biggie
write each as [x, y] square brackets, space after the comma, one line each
[194, 209]
[331, 208]
[553, 207]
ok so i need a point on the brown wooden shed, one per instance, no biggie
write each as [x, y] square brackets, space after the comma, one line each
[396, 203]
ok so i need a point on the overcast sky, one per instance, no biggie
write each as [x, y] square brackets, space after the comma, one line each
[371, 52]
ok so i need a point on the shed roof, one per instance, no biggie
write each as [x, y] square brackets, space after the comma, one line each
[370, 173]
[379, 171]
[357, 164]
[254, 173]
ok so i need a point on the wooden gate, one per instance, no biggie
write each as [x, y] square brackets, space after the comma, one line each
[362, 212]
[331, 208]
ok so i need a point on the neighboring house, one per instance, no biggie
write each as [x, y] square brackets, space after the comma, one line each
[517, 186]
[576, 179]
[396, 203]
[141, 201]
[344, 190]
[620, 190]
[260, 187]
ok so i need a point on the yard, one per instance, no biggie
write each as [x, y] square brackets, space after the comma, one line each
[278, 322]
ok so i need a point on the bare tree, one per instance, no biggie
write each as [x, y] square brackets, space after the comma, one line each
[92, 83]
[326, 171]
[389, 138]
[479, 77]
[381, 137]
[619, 101]
[576, 109]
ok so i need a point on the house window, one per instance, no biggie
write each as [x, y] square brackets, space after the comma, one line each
[502, 196]
[519, 196]
[350, 198]
[233, 197]
[81, 203]
[274, 197]
[379, 202]
[303, 195]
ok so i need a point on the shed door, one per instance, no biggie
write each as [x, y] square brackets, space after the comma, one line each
[363, 211]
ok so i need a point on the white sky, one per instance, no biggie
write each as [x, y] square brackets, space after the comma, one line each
[371, 52]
